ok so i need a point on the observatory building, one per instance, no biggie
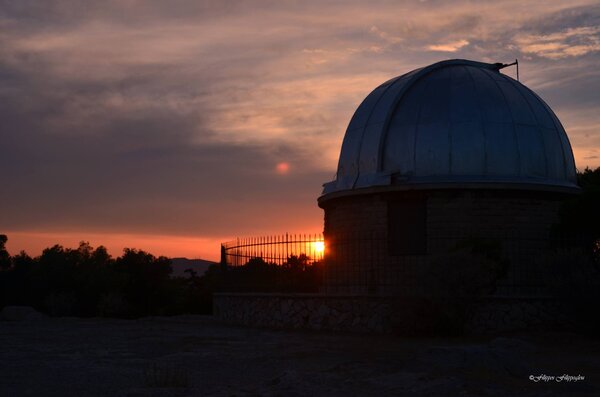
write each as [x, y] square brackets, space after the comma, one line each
[452, 151]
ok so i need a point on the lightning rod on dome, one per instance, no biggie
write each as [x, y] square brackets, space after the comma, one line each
[504, 65]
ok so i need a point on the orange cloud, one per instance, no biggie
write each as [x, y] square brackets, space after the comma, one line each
[452, 46]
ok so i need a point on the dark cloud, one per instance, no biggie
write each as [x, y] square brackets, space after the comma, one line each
[570, 17]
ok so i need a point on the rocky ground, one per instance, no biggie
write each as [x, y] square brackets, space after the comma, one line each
[198, 356]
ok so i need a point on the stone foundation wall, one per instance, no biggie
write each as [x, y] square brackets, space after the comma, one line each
[303, 311]
[364, 314]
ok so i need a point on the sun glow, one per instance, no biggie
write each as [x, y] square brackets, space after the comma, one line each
[282, 168]
[319, 247]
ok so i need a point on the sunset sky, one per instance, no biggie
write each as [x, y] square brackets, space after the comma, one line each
[171, 126]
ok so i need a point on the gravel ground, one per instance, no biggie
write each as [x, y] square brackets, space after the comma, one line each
[198, 356]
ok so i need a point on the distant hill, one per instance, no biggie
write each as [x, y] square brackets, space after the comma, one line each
[198, 265]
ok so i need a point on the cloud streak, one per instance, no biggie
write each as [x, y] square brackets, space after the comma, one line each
[572, 42]
[448, 47]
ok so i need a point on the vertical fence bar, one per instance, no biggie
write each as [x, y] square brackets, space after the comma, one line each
[304, 244]
[278, 249]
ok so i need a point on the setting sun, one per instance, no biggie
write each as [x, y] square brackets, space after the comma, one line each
[282, 168]
[319, 246]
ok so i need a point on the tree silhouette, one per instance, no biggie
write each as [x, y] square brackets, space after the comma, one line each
[146, 280]
[580, 216]
[4, 256]
[298, 262]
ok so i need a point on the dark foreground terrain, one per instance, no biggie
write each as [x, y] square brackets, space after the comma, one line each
[198, 356]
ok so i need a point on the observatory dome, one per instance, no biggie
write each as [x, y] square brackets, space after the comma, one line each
[455, 123]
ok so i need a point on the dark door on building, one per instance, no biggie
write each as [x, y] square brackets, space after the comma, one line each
[407, 226]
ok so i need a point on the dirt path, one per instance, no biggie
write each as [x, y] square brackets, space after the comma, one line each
[197, 356]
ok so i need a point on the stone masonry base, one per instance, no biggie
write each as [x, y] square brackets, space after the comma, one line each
[368, 314]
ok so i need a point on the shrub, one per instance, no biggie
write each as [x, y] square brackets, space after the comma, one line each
[113, 304]
[296, 275]
[61, 304]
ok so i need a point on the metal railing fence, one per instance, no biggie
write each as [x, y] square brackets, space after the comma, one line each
[278, 249]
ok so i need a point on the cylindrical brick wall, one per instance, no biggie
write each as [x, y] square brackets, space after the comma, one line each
[357, 235]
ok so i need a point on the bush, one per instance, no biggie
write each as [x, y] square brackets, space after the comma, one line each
[296, 275]
[113, 304]
[60, 304]
[580, 215]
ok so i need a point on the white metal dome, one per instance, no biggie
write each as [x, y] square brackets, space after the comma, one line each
[453, 123]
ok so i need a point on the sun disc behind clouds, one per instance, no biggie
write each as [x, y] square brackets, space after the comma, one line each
[282, 168]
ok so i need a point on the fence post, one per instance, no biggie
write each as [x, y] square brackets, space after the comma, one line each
[223, 257]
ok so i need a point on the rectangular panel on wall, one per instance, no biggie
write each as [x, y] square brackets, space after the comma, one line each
[407, 226]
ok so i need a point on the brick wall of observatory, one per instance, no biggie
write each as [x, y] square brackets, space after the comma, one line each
[356, 231]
